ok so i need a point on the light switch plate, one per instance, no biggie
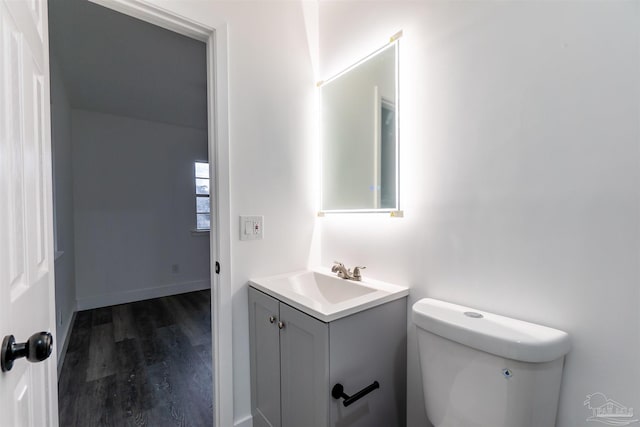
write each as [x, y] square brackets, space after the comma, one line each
[251, 227]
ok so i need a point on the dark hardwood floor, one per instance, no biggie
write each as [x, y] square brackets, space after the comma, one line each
[146, 363]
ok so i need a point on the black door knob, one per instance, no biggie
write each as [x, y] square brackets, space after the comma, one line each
[36, 349]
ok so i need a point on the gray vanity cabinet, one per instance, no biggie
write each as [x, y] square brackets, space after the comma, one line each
[289, 365]
[304, 365]
[265, 359]
[297, 359]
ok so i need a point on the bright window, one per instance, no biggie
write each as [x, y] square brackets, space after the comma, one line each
[203, 205]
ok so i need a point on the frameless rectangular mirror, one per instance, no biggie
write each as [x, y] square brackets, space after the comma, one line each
[359, 125]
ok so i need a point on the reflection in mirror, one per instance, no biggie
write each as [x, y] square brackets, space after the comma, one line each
[359, 136]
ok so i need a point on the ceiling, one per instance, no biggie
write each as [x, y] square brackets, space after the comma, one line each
[116, 64]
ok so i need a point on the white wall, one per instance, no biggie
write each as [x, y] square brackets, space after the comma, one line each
[519, 166]
[134, 209]
[63, 189]
[272, 169]
[519, 173]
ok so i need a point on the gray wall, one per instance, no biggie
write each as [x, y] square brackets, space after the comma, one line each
[63, 193]
[520, 148]
[134, 209]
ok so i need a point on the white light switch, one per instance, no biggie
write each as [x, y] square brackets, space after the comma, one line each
[251, 227]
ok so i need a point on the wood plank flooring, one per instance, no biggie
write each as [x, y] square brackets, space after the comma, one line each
[146, 363]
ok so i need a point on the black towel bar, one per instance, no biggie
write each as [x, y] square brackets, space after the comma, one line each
[338, 392]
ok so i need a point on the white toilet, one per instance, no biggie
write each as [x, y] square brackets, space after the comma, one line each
[484, 370]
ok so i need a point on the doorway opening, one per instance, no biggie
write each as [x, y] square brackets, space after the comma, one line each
[131, 125]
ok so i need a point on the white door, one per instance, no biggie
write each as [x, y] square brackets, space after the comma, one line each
[28, 392]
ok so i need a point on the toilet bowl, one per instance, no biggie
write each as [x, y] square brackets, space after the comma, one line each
[484, 370]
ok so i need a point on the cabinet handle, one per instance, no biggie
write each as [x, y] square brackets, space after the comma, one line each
[272, 319]
[281, 325]
[338, 393]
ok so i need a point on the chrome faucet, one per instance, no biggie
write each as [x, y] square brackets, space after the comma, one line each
[345, 273]
[342, 271]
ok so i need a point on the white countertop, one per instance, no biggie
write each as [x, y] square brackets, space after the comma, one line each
[323, 295]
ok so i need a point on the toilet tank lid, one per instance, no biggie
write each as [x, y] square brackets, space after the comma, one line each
[491, 333]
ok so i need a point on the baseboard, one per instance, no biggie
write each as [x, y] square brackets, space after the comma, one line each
[105, 300]
[65, 344]
[244, 422]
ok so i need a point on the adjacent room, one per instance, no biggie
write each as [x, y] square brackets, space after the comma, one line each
[131, 179]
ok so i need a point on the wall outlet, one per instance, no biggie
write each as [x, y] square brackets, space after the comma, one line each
[251, 227]
[175, 268]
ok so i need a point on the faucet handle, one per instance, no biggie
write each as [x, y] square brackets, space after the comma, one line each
[336, 266]
[356, 272]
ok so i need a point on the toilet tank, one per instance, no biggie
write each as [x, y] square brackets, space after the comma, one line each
[484, 370]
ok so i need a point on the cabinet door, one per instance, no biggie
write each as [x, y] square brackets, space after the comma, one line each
[265, 359]
[304, 361]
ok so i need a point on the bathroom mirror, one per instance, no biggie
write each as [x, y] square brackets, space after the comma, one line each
[359, 135]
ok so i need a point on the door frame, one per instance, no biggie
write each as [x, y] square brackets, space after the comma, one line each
[218, 143]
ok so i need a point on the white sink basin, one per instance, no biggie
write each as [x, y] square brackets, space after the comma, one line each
[325, 296]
